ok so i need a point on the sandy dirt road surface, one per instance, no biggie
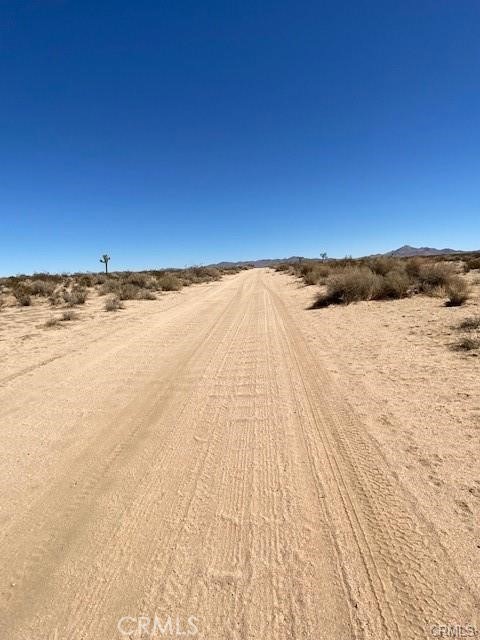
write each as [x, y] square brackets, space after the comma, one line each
[199, 462]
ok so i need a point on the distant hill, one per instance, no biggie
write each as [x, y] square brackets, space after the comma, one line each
[266, 262]
[408, 252]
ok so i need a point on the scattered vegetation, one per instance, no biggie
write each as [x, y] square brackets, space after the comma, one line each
[458, 292]
[471, 340]
[113, 303]
[382, 278]
[68, 315]
[52, 322]
[467, 343]
[470, 324]
[169, 282]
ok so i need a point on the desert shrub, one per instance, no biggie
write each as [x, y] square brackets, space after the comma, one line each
[458, 292]
[145, 294]
[109, 285]
[312, 272]
[43, 288]
[283, 266]
[434, 276]
[470, 324]
[474, 263]
[169, 282]
[77, 295]
[414, 266]
[395, 284]
[151, 283]
[351, 285]
[204, 274]
[138, 279]
[56, 298]
[128, 291]
[52, 322]
[23, 297]
[86, 280]
[467, 343]
[311, 277]
[113, 303]
[382, 265]
[68, 315]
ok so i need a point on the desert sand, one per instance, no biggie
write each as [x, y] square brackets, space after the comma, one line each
[227, 459]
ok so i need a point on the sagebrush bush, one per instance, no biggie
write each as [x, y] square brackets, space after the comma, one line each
[23, 297]
[458, 292]
[69, 315]
[383, 265]
[43, 288]
[145, 294]
[128, 291]
[474, 263]
[395, 284]
[110, 285]
[52, 322]
[434, 276]
[351, 285]
[113, 303]
[470, 324]
[77, 295]
[169, 282]
[138, 279]
[467, 343]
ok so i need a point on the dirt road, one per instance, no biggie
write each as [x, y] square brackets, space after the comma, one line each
[197, 465]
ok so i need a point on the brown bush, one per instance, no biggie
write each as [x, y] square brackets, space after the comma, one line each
[474, 263]
[22, 296]
[113, 303]
[52, 322]
[433, 276]
[128, 291]
[169, 282]
[68, 315]
[145, 294]
[43, 288]
[467, 343]
[470, 324]
[395, 284]
[351, 285]
[458, 292]
[110, 285]
[77, 295]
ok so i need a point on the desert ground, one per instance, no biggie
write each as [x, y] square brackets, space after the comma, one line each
[226, 463]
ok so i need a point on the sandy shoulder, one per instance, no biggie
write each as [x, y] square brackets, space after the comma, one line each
[416, 396]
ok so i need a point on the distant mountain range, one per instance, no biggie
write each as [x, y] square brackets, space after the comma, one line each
[408, 252]
[402, 252]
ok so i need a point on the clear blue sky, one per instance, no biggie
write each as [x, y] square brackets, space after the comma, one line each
[173, 133]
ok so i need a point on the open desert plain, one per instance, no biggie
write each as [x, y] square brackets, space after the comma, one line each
[224, 462]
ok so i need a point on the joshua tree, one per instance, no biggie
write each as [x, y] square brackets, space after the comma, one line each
[105, 260]
[323, 256]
